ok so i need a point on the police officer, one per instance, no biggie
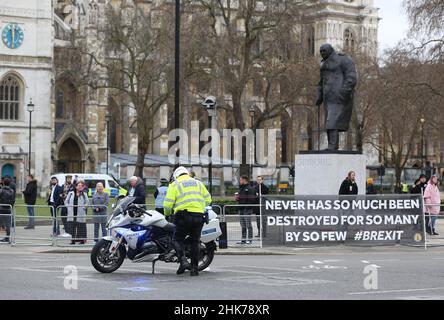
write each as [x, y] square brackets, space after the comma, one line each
[160, 194]
[188, 198]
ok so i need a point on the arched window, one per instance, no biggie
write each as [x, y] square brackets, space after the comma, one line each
[10, 98]
[311, 41]
[349, 40]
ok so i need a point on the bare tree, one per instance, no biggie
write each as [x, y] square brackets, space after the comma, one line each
[427, 22]
[137, 69]
[401, 107]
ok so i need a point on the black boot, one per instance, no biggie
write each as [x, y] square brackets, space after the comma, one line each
[434, 232]
[184, 265]
[194, 272]
[428, 230]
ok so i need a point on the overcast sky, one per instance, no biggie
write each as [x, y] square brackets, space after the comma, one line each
[394, 24]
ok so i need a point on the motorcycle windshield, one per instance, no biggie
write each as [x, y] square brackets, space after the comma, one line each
[122, 205]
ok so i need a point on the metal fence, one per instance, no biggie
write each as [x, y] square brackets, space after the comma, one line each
[33, 229]
[242, 226]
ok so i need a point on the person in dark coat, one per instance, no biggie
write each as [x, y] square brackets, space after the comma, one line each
[30, 194]
[336, 91]
[420, 185]
[247, 195]
[349, 186]
[137, 190]
[7, 197]
[54, 201]
[68, 186]
[261, 189]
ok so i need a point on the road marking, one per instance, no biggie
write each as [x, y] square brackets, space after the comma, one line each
[421, 298]
[138, 289]
[395, 291]
[276, 281]
[262, 268]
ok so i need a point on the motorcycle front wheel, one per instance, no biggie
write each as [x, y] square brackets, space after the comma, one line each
[101, 257]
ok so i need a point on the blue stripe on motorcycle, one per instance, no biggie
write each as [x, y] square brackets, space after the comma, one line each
[209, 231]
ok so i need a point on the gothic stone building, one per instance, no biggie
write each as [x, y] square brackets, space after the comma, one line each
[69, 131]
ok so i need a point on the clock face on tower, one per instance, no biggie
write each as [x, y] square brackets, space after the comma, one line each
[12, 35]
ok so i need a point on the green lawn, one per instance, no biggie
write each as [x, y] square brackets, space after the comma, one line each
[20, 207]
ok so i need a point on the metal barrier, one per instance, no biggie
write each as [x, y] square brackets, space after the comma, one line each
[248, 223]
[218, 210]
[41, 234]
[434, 240]
[7, 222]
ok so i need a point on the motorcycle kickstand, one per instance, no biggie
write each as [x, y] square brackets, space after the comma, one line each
[153, 265]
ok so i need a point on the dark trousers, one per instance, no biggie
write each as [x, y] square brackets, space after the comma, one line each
[188, 224]
[31, 215]
[5, 219]
[77, 230]
[245, 221]
[63, 214]
[55, 225]
[96, 230]
[257, 212]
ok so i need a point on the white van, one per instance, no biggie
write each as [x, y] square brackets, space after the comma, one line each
[112, 187]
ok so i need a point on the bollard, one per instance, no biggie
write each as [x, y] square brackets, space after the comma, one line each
[223, 241]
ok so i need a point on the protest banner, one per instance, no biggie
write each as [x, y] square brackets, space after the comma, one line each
[351, 220]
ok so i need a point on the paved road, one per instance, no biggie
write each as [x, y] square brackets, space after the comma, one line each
[402, 274]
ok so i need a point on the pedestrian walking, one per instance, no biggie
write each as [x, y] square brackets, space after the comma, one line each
[246, 196]
[100, 202]
[30, 194]
[432, 206]
[349, 185]
[261, 189]
[159, 195]
[7, 197]
[54, 201]
[77, 203]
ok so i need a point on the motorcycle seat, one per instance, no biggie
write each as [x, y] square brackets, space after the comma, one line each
[169, 227]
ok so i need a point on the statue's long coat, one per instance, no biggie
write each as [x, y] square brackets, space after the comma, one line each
[336, 90]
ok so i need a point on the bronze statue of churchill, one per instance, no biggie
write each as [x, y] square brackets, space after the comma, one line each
[335, 90]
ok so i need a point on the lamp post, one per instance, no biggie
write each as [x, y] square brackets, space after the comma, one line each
[30, 110]
[107, 119]
[422, 144]
[177, 68]
[210, 105]
[251, 111]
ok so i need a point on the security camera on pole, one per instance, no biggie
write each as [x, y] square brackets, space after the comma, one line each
[210, 105]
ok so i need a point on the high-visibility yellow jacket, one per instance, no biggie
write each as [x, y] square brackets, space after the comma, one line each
[186, 193]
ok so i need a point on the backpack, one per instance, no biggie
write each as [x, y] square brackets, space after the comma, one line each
[7, 195]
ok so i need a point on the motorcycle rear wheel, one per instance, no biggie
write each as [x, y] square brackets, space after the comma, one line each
[100, 257]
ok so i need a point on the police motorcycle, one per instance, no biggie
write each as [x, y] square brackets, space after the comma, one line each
[146, 236]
